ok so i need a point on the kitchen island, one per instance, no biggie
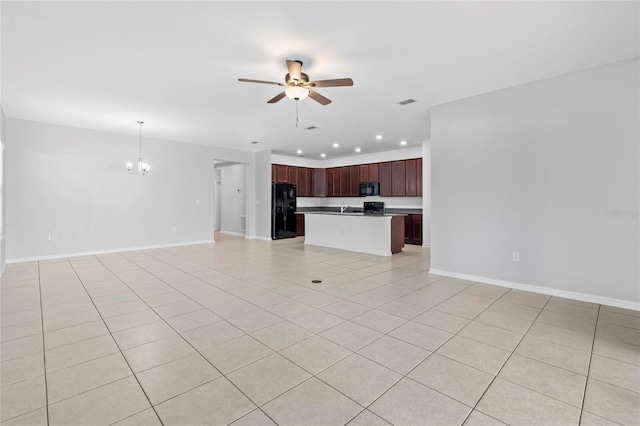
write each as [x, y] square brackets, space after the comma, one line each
[380, 234]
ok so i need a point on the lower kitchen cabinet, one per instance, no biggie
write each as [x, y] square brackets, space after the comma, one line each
[300, 224]
[413, 229]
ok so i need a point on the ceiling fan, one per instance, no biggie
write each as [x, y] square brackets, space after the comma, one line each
[297, 85]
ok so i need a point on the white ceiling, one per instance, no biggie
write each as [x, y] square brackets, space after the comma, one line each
[175, 65]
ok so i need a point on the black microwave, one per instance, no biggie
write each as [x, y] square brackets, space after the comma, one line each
[369, 188]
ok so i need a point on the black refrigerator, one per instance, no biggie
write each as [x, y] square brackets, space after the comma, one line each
[283, 210]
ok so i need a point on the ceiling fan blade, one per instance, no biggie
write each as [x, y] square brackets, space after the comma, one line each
[295, 70]
[247, 80]
[319, 98]
[277, 98]
[331, 83]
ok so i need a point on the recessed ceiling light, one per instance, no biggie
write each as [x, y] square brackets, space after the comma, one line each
[358, 150]
[323, 155]
[336, 144]
[403, 142]
[378, 137]
[299, 151]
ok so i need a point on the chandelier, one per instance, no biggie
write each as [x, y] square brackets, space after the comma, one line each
[143, 168]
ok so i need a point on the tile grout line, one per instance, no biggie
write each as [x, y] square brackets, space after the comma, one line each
[114, 340]
[355, 352]
[185, 340]
[44, 348]
[431, 352]
[513, 352]
[441, 345]
[586, 382]
[278, 351]
[372, 308]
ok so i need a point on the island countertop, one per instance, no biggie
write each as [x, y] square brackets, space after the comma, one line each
[354, 214]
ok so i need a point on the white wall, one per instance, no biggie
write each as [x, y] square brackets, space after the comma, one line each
[233, 198]
[72, 184]
[426, 193]
[262, 197]
[536, 169]
[3, 252]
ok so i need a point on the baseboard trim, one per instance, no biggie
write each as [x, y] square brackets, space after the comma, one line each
[237, 234]
[544, 290]
[93, 253]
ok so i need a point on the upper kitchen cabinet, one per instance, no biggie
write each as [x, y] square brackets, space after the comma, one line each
[364, 173]
[411, 179]
[292, 173]
[401, 178]
[345, 182]
[398, 178]
[385, 180]
[354, 181]
[304, 183]
[282, 173]
[333, 182]
[319, 182]
[419, 177]
[374, 172]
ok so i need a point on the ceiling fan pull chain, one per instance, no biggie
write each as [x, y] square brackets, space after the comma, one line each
[297, 112]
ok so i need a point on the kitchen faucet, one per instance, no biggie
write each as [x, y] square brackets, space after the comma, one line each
[343, 208]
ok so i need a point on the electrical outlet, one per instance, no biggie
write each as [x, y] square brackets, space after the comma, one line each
[516, 256]
[197, 202]
[50, 237]
[174, 229]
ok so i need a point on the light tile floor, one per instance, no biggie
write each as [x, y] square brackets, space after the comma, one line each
[236, 332]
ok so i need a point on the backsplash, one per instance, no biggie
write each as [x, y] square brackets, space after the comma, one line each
[390, 202]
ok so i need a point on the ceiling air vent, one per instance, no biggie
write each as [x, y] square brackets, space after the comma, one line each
[406, 102]
[311, 128]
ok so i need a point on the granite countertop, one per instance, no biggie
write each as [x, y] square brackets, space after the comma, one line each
[386, 214]
[390, 210]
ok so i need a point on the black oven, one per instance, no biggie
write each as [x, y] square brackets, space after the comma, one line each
[369, 188]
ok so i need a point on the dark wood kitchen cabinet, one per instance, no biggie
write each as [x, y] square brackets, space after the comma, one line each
[354, 181]
[419, 177]
[304, 182]
[300, 224]
[401, 178]
[333, 182]
[292, 175]
[319, 182]
[282, 173]
[345, 181]
[413, 229]
[364, 173]
[374, 172]
[385, 180]
[398, 179]
[411, 179]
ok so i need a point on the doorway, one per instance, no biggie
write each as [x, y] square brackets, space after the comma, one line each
[230, 197]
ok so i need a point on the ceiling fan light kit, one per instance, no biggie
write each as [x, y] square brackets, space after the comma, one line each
[296, 92]
[297, 85]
